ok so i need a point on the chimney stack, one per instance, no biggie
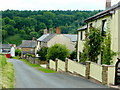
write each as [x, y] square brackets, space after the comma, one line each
[51, 31]
[58, 31]
[45, 31]
[108, 4]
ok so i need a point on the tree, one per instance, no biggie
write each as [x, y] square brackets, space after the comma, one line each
[58, 51]
[107, 53]
[33, 34]
[42, 53]
[92, 45]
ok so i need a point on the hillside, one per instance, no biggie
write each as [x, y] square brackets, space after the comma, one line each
[30, 24]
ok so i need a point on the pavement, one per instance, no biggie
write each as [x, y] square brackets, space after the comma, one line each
[28, 77]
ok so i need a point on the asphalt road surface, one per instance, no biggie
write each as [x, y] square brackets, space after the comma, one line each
[28, 77]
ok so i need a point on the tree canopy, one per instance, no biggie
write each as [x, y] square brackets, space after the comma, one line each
[31, 23]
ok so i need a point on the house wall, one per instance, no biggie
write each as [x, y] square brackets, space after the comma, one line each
[80, 44]
[28, 49]
[61, 39]
[112, 25]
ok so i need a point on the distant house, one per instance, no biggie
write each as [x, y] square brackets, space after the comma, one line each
[108, 19]
[8, 49]
[28, 46]
[47, 40]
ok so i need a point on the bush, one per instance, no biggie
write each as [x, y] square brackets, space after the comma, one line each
[58, 51]
[42, 53]
[73, 55]
[17, 52]
[29, 55]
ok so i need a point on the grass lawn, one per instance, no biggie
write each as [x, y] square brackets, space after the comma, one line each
[6, 73]
[38, 67]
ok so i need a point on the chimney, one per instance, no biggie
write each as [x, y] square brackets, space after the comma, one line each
[45, 31]
[33, 38]
[58, 31]
[108, 4]
[51, 31]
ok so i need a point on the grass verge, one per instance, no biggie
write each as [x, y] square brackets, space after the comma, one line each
[8, 76]
[38, 67]
[6, 73]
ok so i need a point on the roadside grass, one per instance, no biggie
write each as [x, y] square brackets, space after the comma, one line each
[8, 76]
[16, 57]
[6, 73]
[38, 67]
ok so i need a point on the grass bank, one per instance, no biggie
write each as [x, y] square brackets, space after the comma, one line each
[38, 67]
[6, 73]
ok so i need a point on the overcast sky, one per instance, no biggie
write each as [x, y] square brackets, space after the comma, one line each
[54, 4]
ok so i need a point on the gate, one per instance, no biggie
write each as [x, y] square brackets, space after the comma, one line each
[117, 73]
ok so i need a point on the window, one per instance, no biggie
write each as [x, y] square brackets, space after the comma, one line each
[81, 36]
[104, 27]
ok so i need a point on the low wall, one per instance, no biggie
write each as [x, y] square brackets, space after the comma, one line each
[52, 65]
[75, 67]
[102, 73]
[61, 65]
[111, 74]
[96, 71]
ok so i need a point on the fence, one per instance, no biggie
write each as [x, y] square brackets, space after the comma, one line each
[102, 73]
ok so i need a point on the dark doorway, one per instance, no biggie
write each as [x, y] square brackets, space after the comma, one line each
[117, 73]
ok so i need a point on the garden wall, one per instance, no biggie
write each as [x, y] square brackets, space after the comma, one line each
[104, 74]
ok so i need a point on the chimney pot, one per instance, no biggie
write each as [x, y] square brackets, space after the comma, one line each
[108, 4]
[58, 31]
[45, 31]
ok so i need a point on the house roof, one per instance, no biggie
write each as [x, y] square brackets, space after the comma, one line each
[83, 28]
[105, 12]
[28, 43]
[46, 37]
[73, 37]
[43, 37]
[5, 46]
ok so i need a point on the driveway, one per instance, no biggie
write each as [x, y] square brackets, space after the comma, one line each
[28, 77]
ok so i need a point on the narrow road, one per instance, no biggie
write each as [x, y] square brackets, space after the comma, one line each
[28, 77]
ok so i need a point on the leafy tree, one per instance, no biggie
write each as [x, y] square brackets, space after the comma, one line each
[33, 34]
[92, 45]
[42, 53]
[107, 53]
[17, 52]
[58, 51]
[73, 55]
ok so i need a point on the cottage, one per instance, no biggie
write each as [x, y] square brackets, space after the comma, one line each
[107, 19]
[28, 46]
[49, 39]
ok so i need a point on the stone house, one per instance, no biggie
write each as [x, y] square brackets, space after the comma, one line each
[107, 19]
[49, 39]
[28, 46]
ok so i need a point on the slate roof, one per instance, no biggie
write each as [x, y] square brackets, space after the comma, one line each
[46, 37]
[5, 46]
[83, 28]
[105, 12]
[73, 37]
[43, 37]
[28, 43]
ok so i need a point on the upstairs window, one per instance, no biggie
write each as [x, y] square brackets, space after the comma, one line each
[104, 27]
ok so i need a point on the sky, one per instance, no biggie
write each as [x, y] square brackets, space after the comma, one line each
[54, 4]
